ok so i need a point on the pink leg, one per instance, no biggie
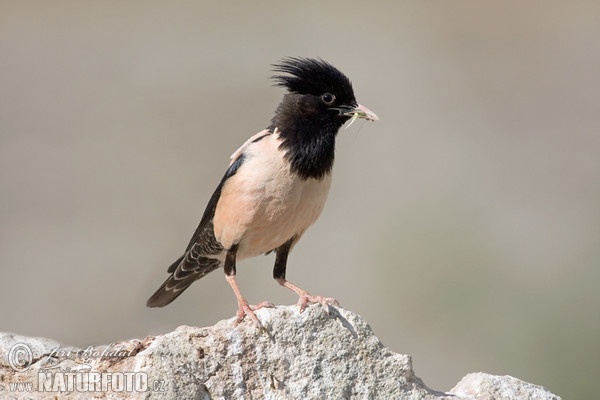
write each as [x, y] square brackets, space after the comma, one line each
[243, 307]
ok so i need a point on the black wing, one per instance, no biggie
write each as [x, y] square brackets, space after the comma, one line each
[202, 253]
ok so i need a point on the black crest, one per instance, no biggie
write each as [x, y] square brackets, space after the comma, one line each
[313, 76]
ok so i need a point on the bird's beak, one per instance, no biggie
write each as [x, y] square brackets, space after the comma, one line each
[360, 112]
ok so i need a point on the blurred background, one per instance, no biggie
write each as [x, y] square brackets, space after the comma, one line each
[464, 226]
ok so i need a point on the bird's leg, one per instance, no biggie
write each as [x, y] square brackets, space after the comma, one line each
[243, 307]
[303, 296]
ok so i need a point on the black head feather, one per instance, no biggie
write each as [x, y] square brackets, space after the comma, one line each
[313, 76]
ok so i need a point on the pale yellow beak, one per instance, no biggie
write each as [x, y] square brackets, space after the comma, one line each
[361, 112]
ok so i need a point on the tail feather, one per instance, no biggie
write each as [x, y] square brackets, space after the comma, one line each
[166, 294]
[185, 271]
[203, 255]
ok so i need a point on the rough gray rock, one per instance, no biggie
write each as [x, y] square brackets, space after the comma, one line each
[311, 355]
[482, 386]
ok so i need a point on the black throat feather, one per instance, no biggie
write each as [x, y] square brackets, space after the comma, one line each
[307, 138]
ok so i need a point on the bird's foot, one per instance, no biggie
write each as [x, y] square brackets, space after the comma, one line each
[246, 309]
[243, 307]
[306, 298]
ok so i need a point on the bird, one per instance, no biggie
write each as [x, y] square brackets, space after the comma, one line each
[275, 186]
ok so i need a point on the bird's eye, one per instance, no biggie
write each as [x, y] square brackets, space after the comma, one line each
[328, 98]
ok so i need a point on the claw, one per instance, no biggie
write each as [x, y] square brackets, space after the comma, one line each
[246, 309]
[243, 307]
[305, 299]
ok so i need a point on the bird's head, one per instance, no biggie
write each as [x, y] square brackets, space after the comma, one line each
[319, 94]
[319, 101]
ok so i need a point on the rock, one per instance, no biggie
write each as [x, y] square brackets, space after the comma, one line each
[311, 355]
[482, 386]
